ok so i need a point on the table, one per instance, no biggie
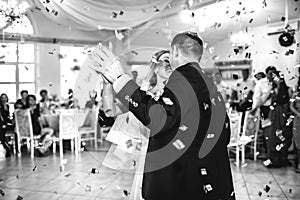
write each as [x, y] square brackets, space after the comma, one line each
[52, 120]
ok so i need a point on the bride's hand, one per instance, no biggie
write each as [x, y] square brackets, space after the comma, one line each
[106, 63]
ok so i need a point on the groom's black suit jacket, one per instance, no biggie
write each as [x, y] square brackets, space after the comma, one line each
[187, 154]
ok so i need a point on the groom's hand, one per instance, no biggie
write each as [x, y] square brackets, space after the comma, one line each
[106, 63]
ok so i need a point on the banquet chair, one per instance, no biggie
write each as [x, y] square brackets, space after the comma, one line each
[67, 131]
[235, 127]
[249, 134]
[11, 135]
[24, 130]
[88, 131]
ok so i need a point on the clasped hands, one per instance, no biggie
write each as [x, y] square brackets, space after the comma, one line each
[104, 62]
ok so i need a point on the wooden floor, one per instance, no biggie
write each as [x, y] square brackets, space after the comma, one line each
[41, 179]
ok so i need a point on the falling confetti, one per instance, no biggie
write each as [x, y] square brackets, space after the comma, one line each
[67, 175]
[118, 35]
[282, 19]
[260, 193]
[250, 21]
[248, 55]
[94, 171]
[264, 3]
[34, 168]
[156, 9]
[114, 16]
[126, 193]
[267, 188]
[19, 197]
[2, 192]
[99, 27]
[121, 12]
[17, 176]
[268, 19]
[88, 188]
[52, 52]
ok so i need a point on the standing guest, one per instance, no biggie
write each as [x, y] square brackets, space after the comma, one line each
[222, 87]
[279, 133]
[5, 123]
[21, 103]
[187, 155]
[244, 90]
[262, 101]
[295, 108]
[261, 96]
[45, 133]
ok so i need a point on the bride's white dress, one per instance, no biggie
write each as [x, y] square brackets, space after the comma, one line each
[127, 153]
[129, 138]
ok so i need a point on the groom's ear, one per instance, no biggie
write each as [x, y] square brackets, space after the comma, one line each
[175, 51]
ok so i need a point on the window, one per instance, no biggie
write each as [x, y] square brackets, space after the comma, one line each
[71, 60]
[17, 65]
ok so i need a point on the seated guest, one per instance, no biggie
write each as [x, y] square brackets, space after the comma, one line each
[45, 101]
[21, 103]
[5, 123]
[92, 103]
[45, 133]
[4, 108]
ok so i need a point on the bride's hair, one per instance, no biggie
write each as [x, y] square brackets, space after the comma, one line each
[160, 57]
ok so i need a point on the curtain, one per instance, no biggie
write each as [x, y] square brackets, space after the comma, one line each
[101, 14]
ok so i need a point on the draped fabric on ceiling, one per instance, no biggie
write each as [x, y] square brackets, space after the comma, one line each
[95, 14]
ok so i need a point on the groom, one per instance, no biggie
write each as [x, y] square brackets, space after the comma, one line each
[187, 154]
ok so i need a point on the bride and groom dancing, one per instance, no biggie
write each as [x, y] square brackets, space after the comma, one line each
[189, 128]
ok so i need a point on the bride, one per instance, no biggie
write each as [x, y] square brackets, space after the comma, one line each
[128, 135]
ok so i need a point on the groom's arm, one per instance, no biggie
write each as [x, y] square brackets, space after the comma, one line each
[158, 114]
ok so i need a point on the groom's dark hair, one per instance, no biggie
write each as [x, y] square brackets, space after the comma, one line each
[189, 43]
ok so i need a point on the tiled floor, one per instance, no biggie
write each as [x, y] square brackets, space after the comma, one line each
[19, 176]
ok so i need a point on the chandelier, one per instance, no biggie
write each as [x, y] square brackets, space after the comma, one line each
[241, 39]
[11, 11]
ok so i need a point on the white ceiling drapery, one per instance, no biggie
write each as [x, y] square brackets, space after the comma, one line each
[97, 14]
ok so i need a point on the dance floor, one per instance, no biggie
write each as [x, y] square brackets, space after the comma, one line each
[41, 178]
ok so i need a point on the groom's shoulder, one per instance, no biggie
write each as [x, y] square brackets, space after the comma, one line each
[192, 71]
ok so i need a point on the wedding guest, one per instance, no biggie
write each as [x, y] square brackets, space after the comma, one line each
[244, 90]
[279, 133]
[45, 101]
[5, 123]
[222, 87]
[295, 108]
[45, 134]
[21, 103]
[4, 108]
[262, 101]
